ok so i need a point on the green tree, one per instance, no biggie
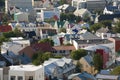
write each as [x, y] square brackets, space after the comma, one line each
[47, 40]
[96, 26]
[39, 57]
[3, 39]
[63, 16]
[107, 23]
[62, 2]
[63, 30]
[78, 67]
[76, 55]
[116, 71]
[117, 27]
[98, 61]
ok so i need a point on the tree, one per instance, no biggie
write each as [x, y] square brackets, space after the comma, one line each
[98, 61]
[39, 57]
[96, 26]
[76, 55]
[116, 71]
[107, 23]
[117, 27]
[63, 16]
[47, 40]
[78, 67]
[3, 39]
[63, 30]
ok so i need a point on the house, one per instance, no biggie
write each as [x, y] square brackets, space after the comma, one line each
[5, 28]
[79, 43]
[81, 76]
[87, 64]
[15, 45]
[82, 13]
[111, 10]
[108, 77]
[59, 68]
[104, 51]
[12, 58]
[22, 5]
[42, 29]
[13, 9]
[26, 72]
[104, 33]
[63, 50]
[21, 16]
[89, 4]
[66, 8]
[107, 17]
[45, 14]
[32, 49]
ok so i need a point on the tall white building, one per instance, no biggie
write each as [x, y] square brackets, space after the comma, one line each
[22, 72]
[26, 72]
[24, 5]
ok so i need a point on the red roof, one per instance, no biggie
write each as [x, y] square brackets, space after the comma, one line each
[44, 47]
[5, 28]
[30, 50]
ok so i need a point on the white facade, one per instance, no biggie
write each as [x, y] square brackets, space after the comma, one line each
[26, 72]
[15, 45]
[82, 13]
[1, 74]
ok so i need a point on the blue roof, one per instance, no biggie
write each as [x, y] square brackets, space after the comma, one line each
[31, 34]
[82, 76]
[89, 59]
[25, 59]
[85, 76]
[50, 68]
[9, 56]
[112, 8]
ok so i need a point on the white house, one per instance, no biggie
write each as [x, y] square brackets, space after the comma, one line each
[26, 72]
[105, 33]
[82, 12]
[15, 45]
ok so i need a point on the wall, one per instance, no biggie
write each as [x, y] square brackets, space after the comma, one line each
[1, 74]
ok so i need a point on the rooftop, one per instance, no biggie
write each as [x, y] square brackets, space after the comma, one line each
[109, 77]
[92, 41]
[25, 68]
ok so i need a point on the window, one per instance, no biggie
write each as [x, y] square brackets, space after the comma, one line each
[12, 78]
[60, 51]
[30, 78]
[20, 78]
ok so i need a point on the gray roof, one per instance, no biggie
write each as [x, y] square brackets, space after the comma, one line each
[89, 59]
[108, 77]
[103, 30]
[82, 76]
[92, 41]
